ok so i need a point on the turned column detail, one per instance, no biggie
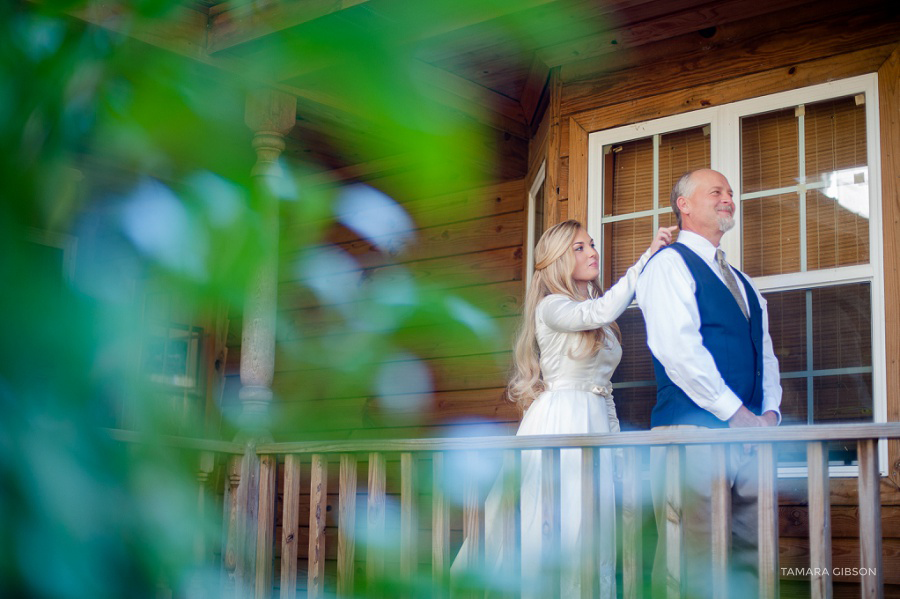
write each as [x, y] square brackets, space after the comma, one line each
[270, 115]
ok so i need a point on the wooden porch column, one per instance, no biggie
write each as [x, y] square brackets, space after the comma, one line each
[270, 115]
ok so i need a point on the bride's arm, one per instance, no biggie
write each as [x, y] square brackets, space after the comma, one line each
[565, 314]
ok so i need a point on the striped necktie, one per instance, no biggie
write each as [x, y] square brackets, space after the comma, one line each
[730, 282]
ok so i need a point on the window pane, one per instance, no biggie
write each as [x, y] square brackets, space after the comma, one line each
[769, 151]
[636, 364]
[633, 404]
[787, 327]
[632, 187]
[835, 137]
[843, 398]
[794, 410]
[770, 234]
[837, 232]
[630, 239]
[842, 336]
[679, 153]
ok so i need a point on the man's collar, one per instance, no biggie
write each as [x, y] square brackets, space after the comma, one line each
[699, 244]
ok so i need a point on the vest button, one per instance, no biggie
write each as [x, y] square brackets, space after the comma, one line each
[758, 373]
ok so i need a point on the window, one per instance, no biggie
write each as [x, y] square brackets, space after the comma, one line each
[536, 221]
[804, 167]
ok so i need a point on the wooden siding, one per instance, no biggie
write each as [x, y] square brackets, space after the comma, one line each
[470, 243]
[741, 60]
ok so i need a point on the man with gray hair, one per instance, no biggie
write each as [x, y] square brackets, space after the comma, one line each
[708, 330]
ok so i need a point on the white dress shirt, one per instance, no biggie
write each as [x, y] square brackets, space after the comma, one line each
[665, 293]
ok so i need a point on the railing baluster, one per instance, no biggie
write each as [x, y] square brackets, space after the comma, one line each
[589, 463]
[721, 520]
[768, 522]
[440, 528]
[229, 583]
[346, 525]
[265, 532]
[870, 519]
[508, 503]
[375, 523]
[318, 495]
[674, 521]
[290, 526]
[632, 525]
[409, 527]
[471, 517]
[819, 520]
[550, 518]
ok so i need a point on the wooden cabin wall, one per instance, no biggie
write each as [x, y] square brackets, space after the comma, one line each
[473, 242]
[737, 61]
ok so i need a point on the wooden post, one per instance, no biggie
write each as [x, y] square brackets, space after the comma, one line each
[246, 522]
[550, 519]
[197, 589]
[721, 520]
[578, 172]
[375, 524]
[589, 579]
[471, 520]
[346, 525]
[819, 520]
[768, 523]
[509, 501]
[552, 172]
[409, 527]
[889, 124]
[440, 528]
[872, 572]
[229, 583]
[265, 537]
[290, 526]
[632, 525]
[318, 496]
[270, 115]
[674, 521]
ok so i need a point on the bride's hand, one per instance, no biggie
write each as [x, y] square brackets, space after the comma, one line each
[662, 238]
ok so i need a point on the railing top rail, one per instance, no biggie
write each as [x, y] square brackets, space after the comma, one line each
[212, 445]
[831, 432]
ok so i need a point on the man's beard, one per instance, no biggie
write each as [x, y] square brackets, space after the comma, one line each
[726, 223]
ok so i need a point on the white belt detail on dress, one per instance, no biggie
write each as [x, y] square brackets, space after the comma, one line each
[579, 386]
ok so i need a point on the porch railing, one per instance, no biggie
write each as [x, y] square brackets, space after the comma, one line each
[396, 468]
[348, 455]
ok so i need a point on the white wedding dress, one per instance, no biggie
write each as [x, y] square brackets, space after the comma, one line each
[578, 400]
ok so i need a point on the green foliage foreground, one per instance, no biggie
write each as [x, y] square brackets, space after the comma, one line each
[141, 158]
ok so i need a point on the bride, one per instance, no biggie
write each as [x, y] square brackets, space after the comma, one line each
[565, 353]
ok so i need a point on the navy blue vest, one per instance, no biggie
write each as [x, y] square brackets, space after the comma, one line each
[736, 347]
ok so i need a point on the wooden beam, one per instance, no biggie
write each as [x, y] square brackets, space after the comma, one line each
[182, 30]
[551, 181]
[578, 167]
[794, 76]
[484, 105]
[247, 22]
[889, 107]
[684, 21]
[534, 87]
[755, 49]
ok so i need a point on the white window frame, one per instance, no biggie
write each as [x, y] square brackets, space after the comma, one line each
[724, 123]
[539, 178]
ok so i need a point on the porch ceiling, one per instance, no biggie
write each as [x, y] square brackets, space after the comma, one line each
[488, 62]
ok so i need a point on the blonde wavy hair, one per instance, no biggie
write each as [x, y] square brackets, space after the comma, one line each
[554, 263]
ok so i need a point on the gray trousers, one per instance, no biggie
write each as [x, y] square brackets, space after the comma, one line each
[742, 476]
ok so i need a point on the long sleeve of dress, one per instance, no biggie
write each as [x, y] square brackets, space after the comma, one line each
[564, 314]
[611, 413]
